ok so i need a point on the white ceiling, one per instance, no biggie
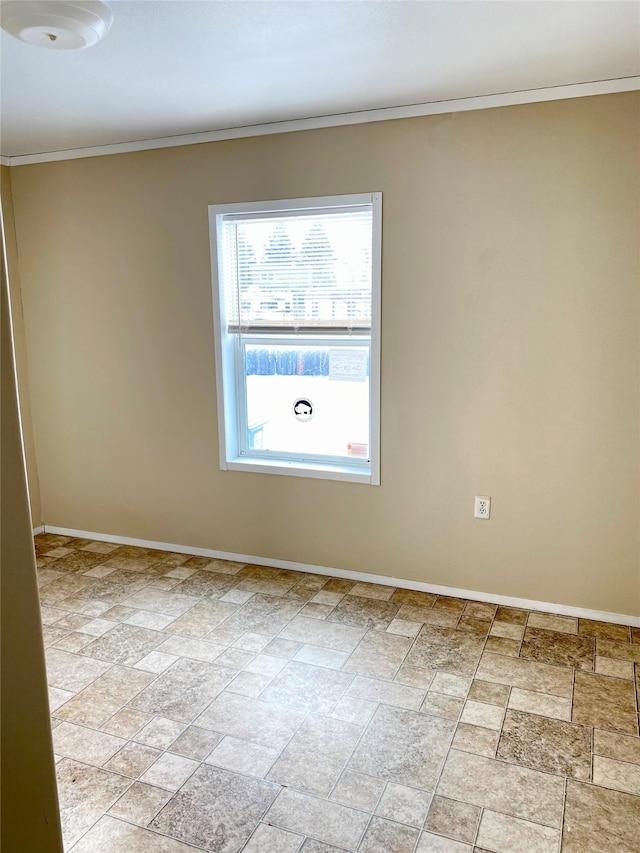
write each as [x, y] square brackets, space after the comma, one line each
[173, 67]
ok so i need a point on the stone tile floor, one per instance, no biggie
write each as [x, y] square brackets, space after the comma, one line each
[206, 705]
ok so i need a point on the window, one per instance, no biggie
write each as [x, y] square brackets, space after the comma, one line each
[297, 329]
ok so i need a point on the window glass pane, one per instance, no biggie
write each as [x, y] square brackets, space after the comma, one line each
[311, 269]
[311, 399]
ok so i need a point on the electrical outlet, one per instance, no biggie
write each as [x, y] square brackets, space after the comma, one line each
[482, 507]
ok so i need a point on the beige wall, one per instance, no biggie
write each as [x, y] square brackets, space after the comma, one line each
[510, 349]
[30, 820]
[20, 347]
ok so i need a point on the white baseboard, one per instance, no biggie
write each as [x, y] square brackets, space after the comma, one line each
[365, 577]
[37, 530]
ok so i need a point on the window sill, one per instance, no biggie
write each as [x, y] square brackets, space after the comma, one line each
[307, 469]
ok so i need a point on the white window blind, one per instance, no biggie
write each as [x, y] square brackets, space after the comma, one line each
[297, 332]
[306, 271]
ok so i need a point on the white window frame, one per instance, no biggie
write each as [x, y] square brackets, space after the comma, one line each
[230, 384]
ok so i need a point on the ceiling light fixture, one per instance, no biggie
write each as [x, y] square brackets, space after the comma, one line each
[57, 24]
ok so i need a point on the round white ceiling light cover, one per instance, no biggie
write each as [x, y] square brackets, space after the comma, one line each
[57, 24]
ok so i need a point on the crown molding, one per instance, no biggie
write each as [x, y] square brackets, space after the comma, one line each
[5, 161]
[481, 102]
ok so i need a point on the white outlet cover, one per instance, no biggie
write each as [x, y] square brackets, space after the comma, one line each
[482, 507]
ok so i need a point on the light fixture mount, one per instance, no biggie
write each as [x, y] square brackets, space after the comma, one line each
[57, 24]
